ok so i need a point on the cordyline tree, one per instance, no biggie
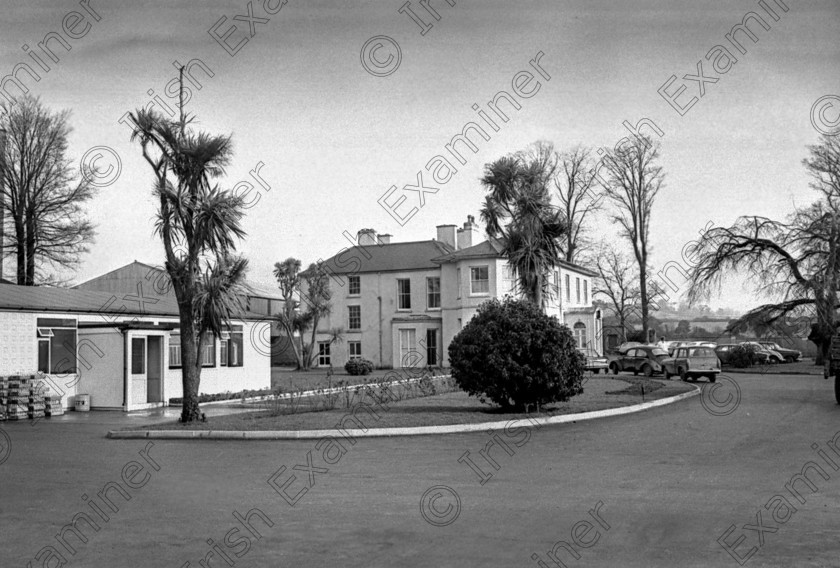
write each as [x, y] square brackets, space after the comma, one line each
[632, 181]
[199, 224]
[797, 261]
[42, 221]
[518, 211]
[313, 287]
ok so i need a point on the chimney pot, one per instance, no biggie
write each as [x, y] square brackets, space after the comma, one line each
[366, 237]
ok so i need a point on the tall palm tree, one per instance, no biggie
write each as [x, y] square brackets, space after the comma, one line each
[199, 224]
[518, 211]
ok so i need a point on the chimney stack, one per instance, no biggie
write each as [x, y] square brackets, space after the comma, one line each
[366, 237]
[385, 239]
[446, 234]
[465, 235]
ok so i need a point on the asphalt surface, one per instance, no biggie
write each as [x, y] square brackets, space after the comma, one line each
[670, 482]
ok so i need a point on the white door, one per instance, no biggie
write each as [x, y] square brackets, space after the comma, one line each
[139, 372]
[408, 338]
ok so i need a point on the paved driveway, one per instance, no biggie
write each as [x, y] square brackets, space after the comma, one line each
[669, 481]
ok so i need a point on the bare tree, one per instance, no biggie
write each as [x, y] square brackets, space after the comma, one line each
[45, 226]
[617, 283]
[632, 183]
[577, 190]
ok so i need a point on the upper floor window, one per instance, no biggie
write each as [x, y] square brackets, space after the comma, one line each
[433, 293]
[479, 280]
[568, 289]
[458, 281]
[403, 294]
[355, 317]
[586, 291]
[355, 285]
[556, 289]
[577, 290]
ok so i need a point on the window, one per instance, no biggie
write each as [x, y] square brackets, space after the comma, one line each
[355, 285]
[510, 278]
[479, 280]
[355, 349]
[568, 289]
[556, 284]
[460, 324]
[433, 293]
[586, 291]
[403, 294]
[208, 353]
[230, 347]
[324, 353]
[408, 354]
[431, 347]
[174, 350]
[580, 334]
[577, 290]
[56, 345]
[458, 281]
[138, 355]
[355, 317]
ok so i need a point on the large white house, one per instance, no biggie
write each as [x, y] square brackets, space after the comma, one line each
[400, 304]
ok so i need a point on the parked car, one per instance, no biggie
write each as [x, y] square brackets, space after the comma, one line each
[772, 356]
[594, 362]
[674, 344]
[692, 362]
[628, 345]
[724, 350]
[790, 355]
[640, 359]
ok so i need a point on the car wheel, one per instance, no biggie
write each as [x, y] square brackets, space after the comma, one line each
[667, 374]
[837, 387]
[614, 368]
[712, 378]
[596, 371]
[682, 374]
[647, 370]
[636, 372]
[790, 359]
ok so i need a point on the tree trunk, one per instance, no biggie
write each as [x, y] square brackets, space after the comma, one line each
[643, 291]
[837, 386]
[190, 371]
[20, 246]
[30, 252]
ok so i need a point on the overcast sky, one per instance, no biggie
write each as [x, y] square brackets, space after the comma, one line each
[334, 137]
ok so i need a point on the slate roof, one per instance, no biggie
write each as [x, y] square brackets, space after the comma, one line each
[68, 300]
[392, 257]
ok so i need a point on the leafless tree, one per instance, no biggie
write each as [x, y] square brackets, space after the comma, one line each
[617, 283]
[633, 179]
[45, 227]
[579, 196]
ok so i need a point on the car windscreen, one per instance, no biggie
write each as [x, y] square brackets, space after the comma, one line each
[701, 352]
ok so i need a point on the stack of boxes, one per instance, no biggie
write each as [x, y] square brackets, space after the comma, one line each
[25, 396]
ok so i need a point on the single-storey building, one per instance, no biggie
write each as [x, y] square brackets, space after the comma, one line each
[122, 350]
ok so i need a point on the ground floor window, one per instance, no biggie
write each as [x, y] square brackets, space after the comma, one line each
[408, 339]
[208, 351]
[431, 347]
[56, 345]
[174, 350]
[230, 347]
[580, 334]
[324, 354]
[355, 349]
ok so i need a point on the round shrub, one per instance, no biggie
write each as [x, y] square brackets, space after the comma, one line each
[742, 356]
[359, 367]
[516, 356]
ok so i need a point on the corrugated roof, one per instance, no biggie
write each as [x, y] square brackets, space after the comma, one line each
[416, 255]
[68, 300]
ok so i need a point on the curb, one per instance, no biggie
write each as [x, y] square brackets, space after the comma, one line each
[382, 432]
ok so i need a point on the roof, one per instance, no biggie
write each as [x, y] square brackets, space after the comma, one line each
[492, 248]
[68, 300]
[390, 257]
[130, 271]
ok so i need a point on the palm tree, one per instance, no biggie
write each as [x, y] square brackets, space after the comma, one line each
[198, 223]
[519, 212]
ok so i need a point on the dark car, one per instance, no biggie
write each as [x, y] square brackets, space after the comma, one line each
[724, 352]
[645, 359]
[790, 355]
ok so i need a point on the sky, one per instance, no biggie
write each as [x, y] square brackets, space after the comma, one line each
[333, 136]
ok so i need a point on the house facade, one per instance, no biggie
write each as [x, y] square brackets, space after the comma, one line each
[124, 352]
[400, 304]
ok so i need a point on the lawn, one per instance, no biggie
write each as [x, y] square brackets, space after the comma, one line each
[291, 380]
[443, 409]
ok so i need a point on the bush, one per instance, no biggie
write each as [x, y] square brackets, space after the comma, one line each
[516, 356]
[359, 367]
[742, 356]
